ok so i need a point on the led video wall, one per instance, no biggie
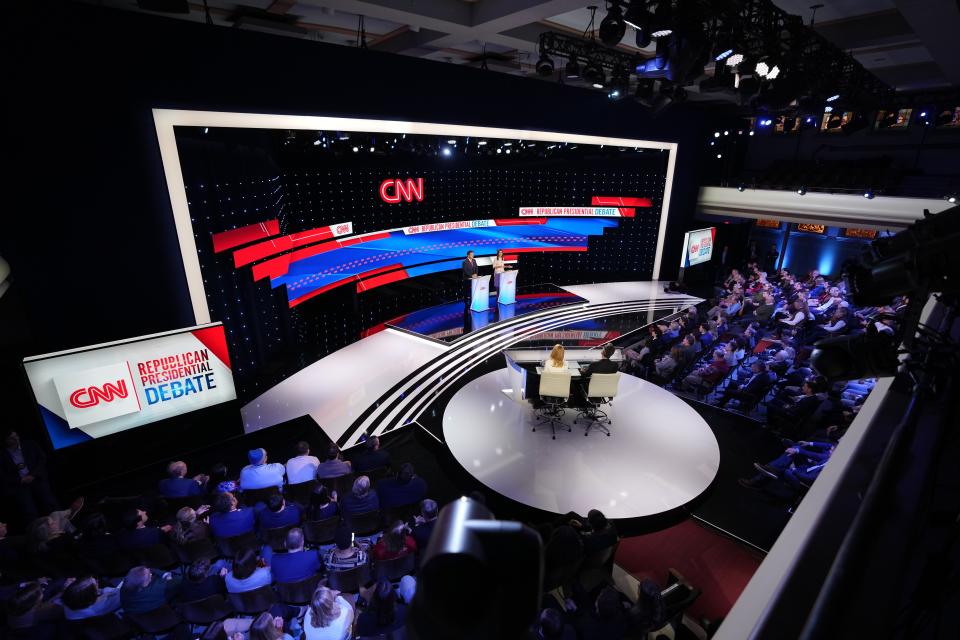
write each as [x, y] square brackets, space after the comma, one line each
[302, 236]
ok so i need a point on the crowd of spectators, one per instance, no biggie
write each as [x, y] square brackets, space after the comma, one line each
[748, 350]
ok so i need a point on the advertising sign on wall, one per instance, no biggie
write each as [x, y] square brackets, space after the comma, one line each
[96, 391]
[698, 247]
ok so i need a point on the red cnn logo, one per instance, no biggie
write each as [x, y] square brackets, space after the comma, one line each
[393, 190]
[91, 396]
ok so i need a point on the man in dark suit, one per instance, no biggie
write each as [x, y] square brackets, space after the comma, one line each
[469, 273]
[136, 535]
[604, 364]
[758, 383]
[763, 311]
[373, 457]
[23, 467]
[297, 563]
[406, 489]
[425, 523]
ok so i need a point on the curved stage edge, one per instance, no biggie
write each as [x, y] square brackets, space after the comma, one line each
[387, 380]
[661, 454]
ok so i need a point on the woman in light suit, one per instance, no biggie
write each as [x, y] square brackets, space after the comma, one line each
[499, 266]
[555, 363]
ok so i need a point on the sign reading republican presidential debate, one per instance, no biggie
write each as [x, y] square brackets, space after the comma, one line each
[92, 392]
[698, 247]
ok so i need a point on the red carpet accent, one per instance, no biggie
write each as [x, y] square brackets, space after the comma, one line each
[717, 565]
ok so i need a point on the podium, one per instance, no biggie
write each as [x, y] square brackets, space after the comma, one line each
[480, 293]
[507, 287]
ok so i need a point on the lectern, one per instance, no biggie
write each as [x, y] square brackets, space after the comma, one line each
[508, 287]
[480, 293]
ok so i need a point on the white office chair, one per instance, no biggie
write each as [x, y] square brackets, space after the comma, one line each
[554, 393]
[601, 390]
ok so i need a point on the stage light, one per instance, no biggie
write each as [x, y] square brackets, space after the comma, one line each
[638, 18]
[834, 97]
[716, 134]
[868, 194]
[573, 67]
[355, 149]
[451, 142]
[723, 55]
[613, 94]
[446, 151]
[952, 198]
[802, 191]
[712, 142]
[828, 109]
[662, 33]
[773, 73]
[206, 130]
[809, 120]
[481, 143]
[612, 27]
[508, 144]
[741, 187]
[662, 24]
[508, 151]
[923, 114]
[719, 155]
[372, 149]
[734, 59]
[750, 134]
[544, 65]
[762, 69]
[316, 142]
[499, 150]
[597, 85]
[726, 133]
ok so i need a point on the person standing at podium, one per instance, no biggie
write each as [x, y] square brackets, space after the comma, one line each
[499, 266]
[469, 274]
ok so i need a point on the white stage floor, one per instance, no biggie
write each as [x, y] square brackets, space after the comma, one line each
[661, 455]
[387, 380]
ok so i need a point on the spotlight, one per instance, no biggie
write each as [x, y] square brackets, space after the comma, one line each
[834, 97]
[206, 130]
[372, 149]
[828, 109]
[762, 69]
[723, 55]
[751, 133]
[802, 191]
[923, 114]
[734, 59]
[809, 120]
[952, 198]
[662, 20]
[613, 94]
[612, 27]
[499, 150]
[716, 134]
[316, 142]
[741, 187]
[597, 85]
[544, 65]
[719, 155]
[451, 141]
[773, 73]
[726, 133]
[868, 194]
[446, 151]
[355, 149]
[639, 19]
[481, 143]
[661, 33]
[573, 67]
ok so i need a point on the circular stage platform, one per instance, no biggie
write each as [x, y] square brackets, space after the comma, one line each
[661, 454]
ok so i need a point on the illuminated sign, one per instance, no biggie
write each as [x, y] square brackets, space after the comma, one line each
[869, 234]
[597, 212]
[811, 228]
[393, 190]
[698, 247]
[767, 223]
[447, 226]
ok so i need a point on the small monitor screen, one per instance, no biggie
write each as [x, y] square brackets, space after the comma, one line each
[698, 247]
[833, 121]
[893, 119]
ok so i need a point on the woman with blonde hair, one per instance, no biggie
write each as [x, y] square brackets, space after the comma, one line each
[555, 363]
[188, 527]
[329, 617]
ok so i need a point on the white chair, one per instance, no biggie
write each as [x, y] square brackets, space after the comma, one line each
[601, 390]
[554, 392]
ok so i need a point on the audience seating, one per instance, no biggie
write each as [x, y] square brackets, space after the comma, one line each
[365, 524]
[349, 580]
[554, 391]
[300, 492]
[156, 622]
[105, 627]
[252, 497]
[299, 592]
[395, 568]
[205, 611]
[252, 602]
[230, 546]
[320, 532]
[276, 538]
[194, 550]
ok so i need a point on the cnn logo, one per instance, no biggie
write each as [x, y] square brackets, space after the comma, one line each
[394, 190]
[94, 395]
[91, 396]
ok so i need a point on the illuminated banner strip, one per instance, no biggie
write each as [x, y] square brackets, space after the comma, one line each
[620, 201]
[448, 226]
[578, 212]
[245, 256]
[236, 237]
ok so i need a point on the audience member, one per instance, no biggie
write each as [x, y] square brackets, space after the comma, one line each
[178, 485]
[84, 598]
[266, 626]
[260, 474]
[32, 607]
[798, 466]
[249, 572]
[189, 527]
[334, 466]
[201, 580]
[405, 489]
[329, 616]
[362, 499]
[145, 590]
[220, 480]
[606, 619]
[303, 466]
[753, 389]
[346, 554]
[384, 614]
[297, 563]
[396, 542]
[321, 505]
[229, 520]
[24, 469]
[551, 626]
[136, 535]
[277, 513]
[372, 457]
[424, 523]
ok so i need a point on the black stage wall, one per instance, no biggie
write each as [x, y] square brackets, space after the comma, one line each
[89, 233]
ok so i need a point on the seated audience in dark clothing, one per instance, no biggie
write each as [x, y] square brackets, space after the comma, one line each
[606, 619]
[178, 485]
[333, 466]
[394, 543]
[424, 523]
[248, 572]
[384, 614]
[84, 598]
[189, 526]
[321, 506]
[361, 500]
[228, 520]
[598, 534]
[347, 554]
[708, 375]
[648, 613]
[33, 607]
[799, 465]
[95, 541]
[278, 513]
[220, 481]
[144, 590]
[756, 385]
[372, 456]
[789, 411]
[405, 489]
[551, 626]
[563, 548]
[604, 364]
[297, 563]
[136, 535]
[200, 582]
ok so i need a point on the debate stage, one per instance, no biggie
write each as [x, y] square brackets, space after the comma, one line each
[661, 454]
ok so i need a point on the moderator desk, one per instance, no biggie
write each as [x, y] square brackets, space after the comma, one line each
[524, 367]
